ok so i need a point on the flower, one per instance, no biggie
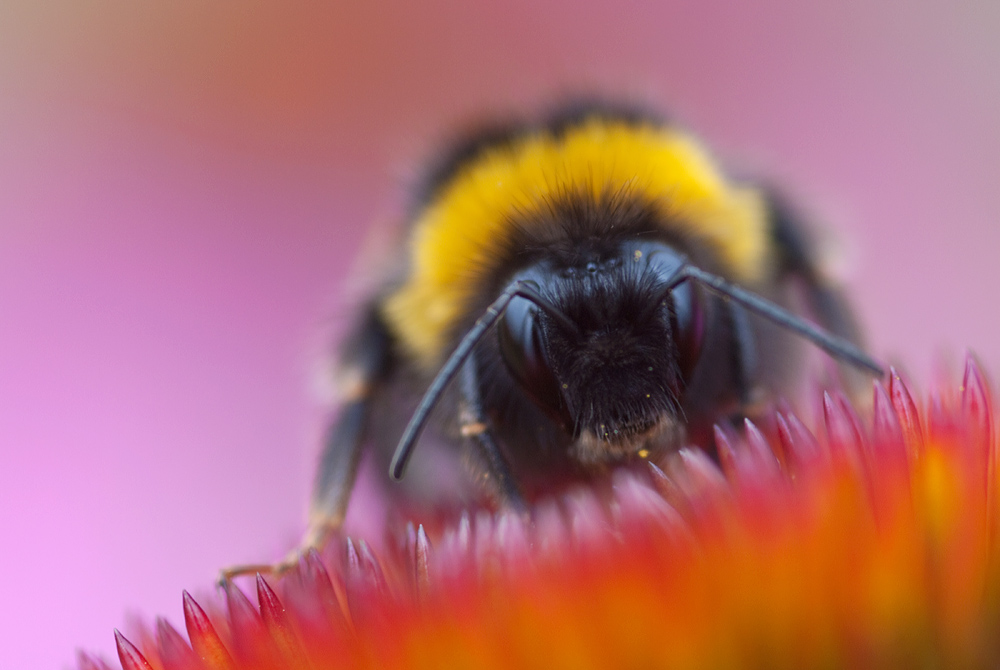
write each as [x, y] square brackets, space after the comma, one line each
[873, 545]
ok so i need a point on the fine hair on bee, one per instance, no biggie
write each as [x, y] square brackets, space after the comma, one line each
[581, 291]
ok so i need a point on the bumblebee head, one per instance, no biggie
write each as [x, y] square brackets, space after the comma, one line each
[608, 347]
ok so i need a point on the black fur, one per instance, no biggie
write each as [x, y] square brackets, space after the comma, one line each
[621, 370]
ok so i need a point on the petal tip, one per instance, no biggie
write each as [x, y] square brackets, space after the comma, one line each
[130, 657]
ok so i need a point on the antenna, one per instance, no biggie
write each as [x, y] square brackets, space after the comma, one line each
[518, 289]
[837, 347]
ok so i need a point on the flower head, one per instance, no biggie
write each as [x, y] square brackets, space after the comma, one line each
[870, 545]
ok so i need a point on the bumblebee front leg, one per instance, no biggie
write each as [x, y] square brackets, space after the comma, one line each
[367, 360]
[475, 427]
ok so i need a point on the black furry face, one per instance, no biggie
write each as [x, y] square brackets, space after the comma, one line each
[608, 342]
[618, 374]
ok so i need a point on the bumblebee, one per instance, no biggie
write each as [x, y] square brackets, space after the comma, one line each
[581, 292]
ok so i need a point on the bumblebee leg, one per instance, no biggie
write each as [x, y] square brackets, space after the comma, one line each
[744, 352]
[797, 258]
[334, 482]
[475, 427]
[367, 358]
[744, 366]
[828, 305]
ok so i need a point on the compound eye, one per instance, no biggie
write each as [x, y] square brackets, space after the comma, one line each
[689, 326]
[688, 317]
[523, 351]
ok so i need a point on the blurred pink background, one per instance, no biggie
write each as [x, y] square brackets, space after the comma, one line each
[184, 187]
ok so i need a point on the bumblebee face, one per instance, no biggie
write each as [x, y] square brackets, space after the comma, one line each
[612, 350]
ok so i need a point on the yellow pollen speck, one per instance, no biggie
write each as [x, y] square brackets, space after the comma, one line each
[644, 453]
[638, 254]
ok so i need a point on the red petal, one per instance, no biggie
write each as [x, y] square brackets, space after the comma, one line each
[842, 433]
[726, 451]
[551, 533]
[323, 588]
[85, 661]
[587, 522]
[976, 404]
[798, 443]
[277, 623]
[249, 636]
[760, 448]
[363, 585]
[204, 640]
[512, 541]
[638, 504]
[175, 654]
[888, 440]
[421, 561]
[906, 412]
[129, 656]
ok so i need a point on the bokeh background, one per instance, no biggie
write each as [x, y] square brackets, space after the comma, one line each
[185, 187]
